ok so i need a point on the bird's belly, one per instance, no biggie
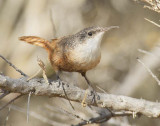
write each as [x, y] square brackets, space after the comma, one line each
[84, 59]
[78, 59]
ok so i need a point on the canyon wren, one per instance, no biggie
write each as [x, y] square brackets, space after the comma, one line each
[74, 53]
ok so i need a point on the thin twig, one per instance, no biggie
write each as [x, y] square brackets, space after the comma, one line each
[151, 4]
[67, 96]
[149, 71]
[65, 112]
[13, 66]
[42, 65]
[10, 101]
[74, 115]
[38, 116]
[152, 22]
[29, 97]
[101, 89]
[146, 52]
[105, 117]
[34, 75]
[125, 113]
[99, 119]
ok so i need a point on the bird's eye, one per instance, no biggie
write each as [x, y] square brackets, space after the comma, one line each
[90, 33]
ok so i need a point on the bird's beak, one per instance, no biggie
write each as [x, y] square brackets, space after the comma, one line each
[109, 28]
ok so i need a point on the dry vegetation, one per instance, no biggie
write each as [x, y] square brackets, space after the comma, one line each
[119, 72]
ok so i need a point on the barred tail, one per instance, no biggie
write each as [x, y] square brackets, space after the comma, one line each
[37, 41]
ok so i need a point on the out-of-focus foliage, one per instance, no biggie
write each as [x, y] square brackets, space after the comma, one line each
[118, 72]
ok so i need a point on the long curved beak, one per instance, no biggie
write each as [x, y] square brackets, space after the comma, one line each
[109, 28]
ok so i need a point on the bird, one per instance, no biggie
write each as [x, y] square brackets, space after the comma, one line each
[78, 52]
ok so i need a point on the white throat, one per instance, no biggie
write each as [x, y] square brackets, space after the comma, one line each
[89, 51]
[94, 43]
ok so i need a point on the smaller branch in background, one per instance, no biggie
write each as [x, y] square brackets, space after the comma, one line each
[105, 117]
[147, 52]
[151, 4]
[38, 116]
[152, 22]
[34, 75]
[69, 113]
[149, 71]
[102, 89]
[13, 66]
[10, 101]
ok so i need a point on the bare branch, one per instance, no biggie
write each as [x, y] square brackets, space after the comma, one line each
[149, 71]
[147, 52]
[10, 102]
[38, 116]
[151, 4]
[105, 117]
[152, 22]
[13, 66]
[99, 119]
[115, 102]
[66, 112]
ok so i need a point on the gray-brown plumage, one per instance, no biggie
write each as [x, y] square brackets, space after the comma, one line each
[74, 53]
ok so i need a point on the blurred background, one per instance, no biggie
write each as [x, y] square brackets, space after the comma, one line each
[118, 72]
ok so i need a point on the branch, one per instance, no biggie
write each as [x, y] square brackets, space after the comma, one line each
[104, 117]
[115, 102]
[151, 4]
[152, 22]
[10, 102]
[38, 116]
[13, 66]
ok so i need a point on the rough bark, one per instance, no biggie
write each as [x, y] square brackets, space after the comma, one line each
[115, 102]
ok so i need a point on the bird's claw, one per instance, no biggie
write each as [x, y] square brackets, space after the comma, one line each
[95, 95]
[60, 82]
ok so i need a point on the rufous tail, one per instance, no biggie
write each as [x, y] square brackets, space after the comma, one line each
[34, 40]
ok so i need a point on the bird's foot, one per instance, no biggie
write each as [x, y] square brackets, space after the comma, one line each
[60, 82]
[90, 92]
[94, 94]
